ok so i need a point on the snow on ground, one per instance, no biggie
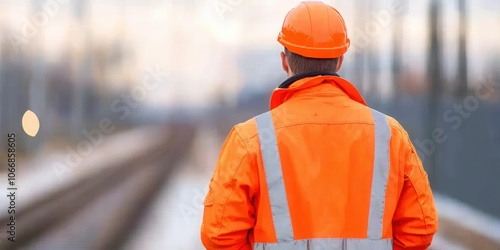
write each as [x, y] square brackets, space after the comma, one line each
[44, 174]
[175, 217]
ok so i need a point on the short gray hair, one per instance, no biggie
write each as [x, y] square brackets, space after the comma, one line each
[299, 64]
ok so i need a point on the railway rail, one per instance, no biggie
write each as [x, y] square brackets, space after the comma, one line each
[101, 210]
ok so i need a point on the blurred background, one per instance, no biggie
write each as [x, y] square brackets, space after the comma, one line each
[135, 98]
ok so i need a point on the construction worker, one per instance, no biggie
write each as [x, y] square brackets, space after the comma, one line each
[321, 170]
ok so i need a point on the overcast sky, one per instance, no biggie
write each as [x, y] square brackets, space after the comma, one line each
[198, 41]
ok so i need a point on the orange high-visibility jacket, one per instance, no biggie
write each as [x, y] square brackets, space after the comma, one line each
[321, 170]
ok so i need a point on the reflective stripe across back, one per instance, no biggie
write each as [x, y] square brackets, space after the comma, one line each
[327, 244]
[279, 203]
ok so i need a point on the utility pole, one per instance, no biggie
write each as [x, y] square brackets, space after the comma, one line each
[2, 80]
[397, 47]
[434, 65]
[83, 75]
[360, 53]
[462, 75]
[37, 86]
[373, 69]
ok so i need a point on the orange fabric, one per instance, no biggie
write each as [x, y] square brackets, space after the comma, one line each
[325, 136]
[316, 30]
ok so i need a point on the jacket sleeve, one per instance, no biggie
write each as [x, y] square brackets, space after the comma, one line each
[415, 220]
[229, 213]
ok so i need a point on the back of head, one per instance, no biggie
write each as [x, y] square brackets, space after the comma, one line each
[300, 64]
[314, 36]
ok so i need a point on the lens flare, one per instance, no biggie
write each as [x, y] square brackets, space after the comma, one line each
[30, 123]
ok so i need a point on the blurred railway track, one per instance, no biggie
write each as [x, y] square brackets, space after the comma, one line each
[102, 210]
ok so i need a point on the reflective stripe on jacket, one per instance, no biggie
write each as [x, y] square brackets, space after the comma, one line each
[278, 198]
[321, 170]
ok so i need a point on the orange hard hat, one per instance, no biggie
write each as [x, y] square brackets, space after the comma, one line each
[316, 30]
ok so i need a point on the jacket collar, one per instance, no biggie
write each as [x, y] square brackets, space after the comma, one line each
[310, 80]
[295, 78]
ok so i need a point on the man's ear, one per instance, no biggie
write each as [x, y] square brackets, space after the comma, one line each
[339, 64]
[284, 62]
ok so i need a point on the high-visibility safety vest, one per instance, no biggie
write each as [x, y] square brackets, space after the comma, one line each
[278, 198]
[320, 171]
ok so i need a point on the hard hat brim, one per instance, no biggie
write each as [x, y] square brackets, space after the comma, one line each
[311, 52]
